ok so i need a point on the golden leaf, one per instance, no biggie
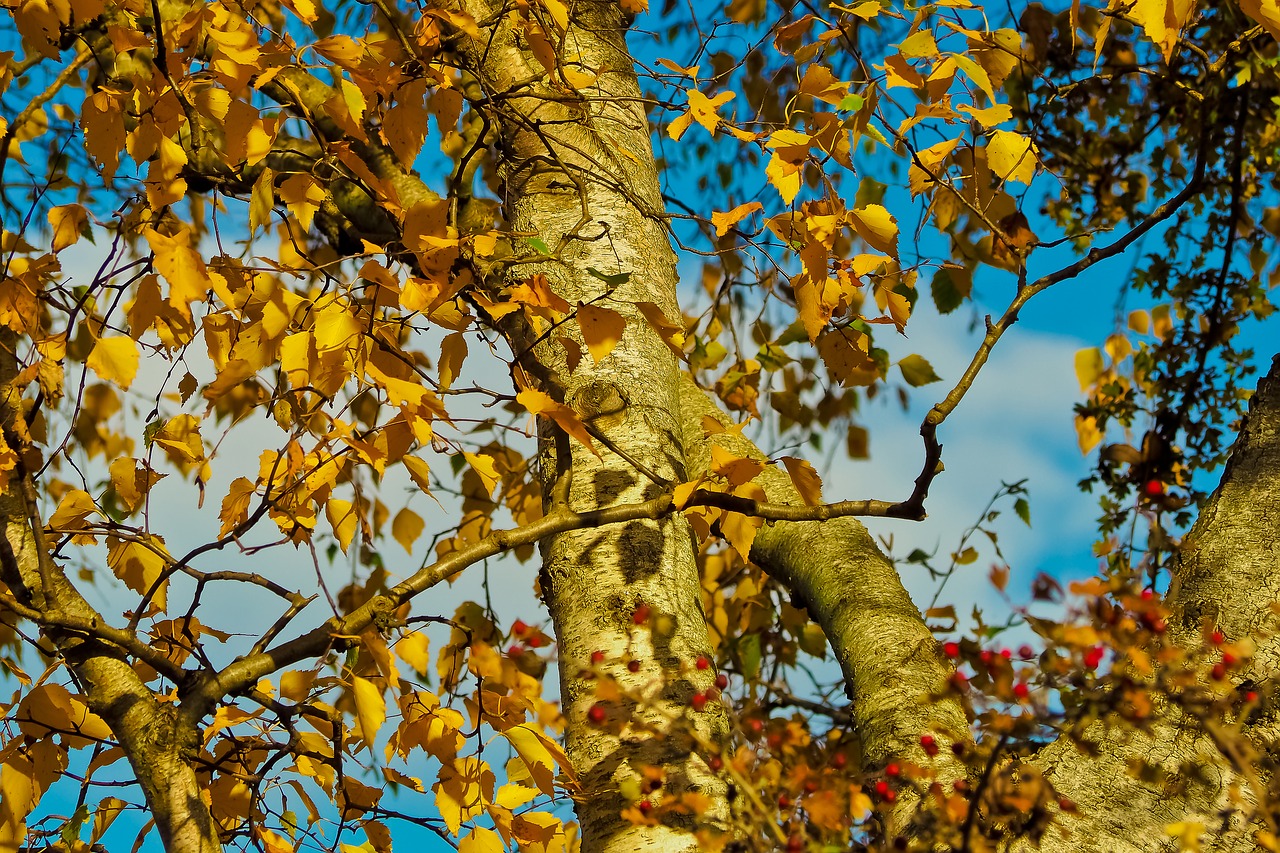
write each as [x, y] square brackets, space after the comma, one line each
[115, 360]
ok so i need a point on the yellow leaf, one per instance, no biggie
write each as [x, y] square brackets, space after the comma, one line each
[419, 472]
[990, 116]
[928, 164]
[1140, 321]
[734, 468]
[919, 45]
[702, 109]
[115, 359]
[303, 195]
[784, 176]
[805, 479]
[342, 518]
[1089, 367]
[272, 842]
[75, 507]
[1011, 156]
[181, 266]
[480, 840]
[724, 221]
[1187, 832]
[1265, 12]
[485, 467]
[453, 352]
[67, 221]
[540, 760]
[371, 708]
[139, 564]
[875, 225]
[602, 330]
[407, 527]
[539, 403]
[414, 649]
[1087, 433]
[463, 788]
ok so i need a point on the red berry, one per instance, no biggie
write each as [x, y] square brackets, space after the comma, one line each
[929, 744]
[839, 760]
[597, 657]
[810, 786]
[641, 614]
[645, 806]
[774, 740]
[1251, 696]
[890, 796]
[520, 627]
[1026, 652]
[702, 662]
[961, 786]
[536, 641]
[1007, 654]
[633, 666]
[892, 770]
[959, 680]
[795, 844]
[882, 788]
[755, 727]
[1153, 488]
[1147, 594]
[784, 802]
[1218, 672]
[699, 701]
[951, 650]
[515, 650]
[1020, 691]
[597, 714]
[1228, 659]
[1093, 657]
[1217, 638]
[1066, 804]
[985, 656]
[722, 681]
[716, 763]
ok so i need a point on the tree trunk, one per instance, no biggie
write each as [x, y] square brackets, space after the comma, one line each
[156, 742]
[579, 174]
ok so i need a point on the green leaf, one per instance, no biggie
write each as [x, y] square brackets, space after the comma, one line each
[612, 280]
[539, 245]
[917, 371]
[1023, 509]
[749, 653]
[852, 103]
[947, 296]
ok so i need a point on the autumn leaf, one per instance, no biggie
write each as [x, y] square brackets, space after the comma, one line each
[538, 403]
[701, 109]
[371, 708]
[602, 330]
[344, 521]
[1012, 156]
[115, 359]
[875, 225]
[1089, 367]
[724, 221]
[68, 222]
[805, 479]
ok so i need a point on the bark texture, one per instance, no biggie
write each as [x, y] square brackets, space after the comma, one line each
[579, 174]
[1226, 575]
[893, 670]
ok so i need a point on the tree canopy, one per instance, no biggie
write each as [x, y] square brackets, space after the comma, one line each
[308, 313]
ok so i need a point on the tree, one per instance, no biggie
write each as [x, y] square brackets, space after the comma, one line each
[364, 247]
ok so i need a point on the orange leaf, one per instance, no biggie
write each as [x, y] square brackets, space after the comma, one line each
[602, 329]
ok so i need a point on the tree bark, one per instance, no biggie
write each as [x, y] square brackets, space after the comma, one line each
[579, 174]
[151, 735]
